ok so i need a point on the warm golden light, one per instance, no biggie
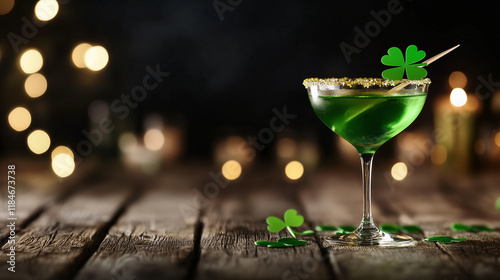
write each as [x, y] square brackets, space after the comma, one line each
[78, 55]
[231, 169]
[154, 139]
[6, 6]
[96, 58]
[294, 170]
[439, 154]
[457, 79]
[497, 139]
[458, 97]
[19, 118]
[62, 150]
[38, 141]
[286, 147]
[63, 165]
[127, 142]
[399, 171]
[46, 9]
[31, 61]
[35, 85]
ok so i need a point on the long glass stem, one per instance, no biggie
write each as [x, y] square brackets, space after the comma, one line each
[366, 169]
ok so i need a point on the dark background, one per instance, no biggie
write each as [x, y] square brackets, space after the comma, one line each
[227, 76]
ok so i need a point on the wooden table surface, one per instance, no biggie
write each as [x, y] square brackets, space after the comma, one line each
[182, 223]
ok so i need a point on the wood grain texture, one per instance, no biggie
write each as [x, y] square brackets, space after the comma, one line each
[463, 199]
[59, 241]
[237, 219]
[334, 198]
[154, 238]
[37, 187]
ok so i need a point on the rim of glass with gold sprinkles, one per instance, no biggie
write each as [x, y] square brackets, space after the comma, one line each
[365, 82]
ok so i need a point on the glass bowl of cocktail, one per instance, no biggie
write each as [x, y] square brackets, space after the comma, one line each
[367, 112]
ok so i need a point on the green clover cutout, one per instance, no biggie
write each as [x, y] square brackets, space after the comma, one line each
[275, 224]
[292, 219]
[444, 239]
[395, 57]
[462, 227]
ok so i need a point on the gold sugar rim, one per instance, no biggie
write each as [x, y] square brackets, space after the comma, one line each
[365, 82]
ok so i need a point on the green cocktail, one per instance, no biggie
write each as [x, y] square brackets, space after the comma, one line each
[367, 112]
[369, 119]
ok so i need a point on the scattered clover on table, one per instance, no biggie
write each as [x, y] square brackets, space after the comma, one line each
[462, 227]
[391, 228]
[346, 229]
[444, 239]
[275, 224]
[408, 63]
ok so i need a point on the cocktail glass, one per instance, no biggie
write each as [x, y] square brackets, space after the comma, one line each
[366, 113]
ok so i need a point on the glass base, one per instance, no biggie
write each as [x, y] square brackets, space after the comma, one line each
[373, 238]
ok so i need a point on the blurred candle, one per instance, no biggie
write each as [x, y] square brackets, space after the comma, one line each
[455, 118]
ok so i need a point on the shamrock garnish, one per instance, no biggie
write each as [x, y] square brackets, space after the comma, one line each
[395, 57]
[444, 239]
[497, 204]
[292, 219]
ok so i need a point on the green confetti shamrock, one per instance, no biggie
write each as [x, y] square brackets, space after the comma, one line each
[337, 230]
[275, 224]
[414, 71]
[282, 242]
[292, 219]
[391, 228]
[462, 227]
[444, 239]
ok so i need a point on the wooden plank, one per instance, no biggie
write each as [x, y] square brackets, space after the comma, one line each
[154, 238]
[37, 187]
[462, 199]
[334, 198]
[60, 240]
[237, 219]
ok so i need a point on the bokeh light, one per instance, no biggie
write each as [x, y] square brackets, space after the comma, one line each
[399, 171]
[294, 170]
[63, 165]
[38, 141]
[497, 139]
[96, 58]
[286, 147]
[6, 6]
[154, 139]
[439, 154]
[458, 97]
[457, 79]
[62, 150]
[231, 170]
[35, 85]
[46, 9]
[31, 61]
[78, 54]
[19, 118]
[127, 142]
